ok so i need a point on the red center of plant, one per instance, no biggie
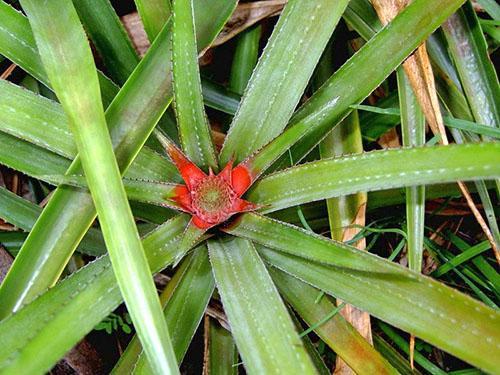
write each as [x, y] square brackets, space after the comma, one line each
[210, 199]
[213, 199]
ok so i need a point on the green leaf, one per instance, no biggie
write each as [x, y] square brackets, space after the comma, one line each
[376, 170]
[222, 352]
[372, 124]
[218, 97]
[67, 58]
[337, 333]
[469, 50]
[361, 16]
[184, 299]
[413, 130]
[36, 267]
[86, 298]
[491, 7]
[17, 211]
[471, 252]
[154, 14]
[18, 45]
[35, 119]
[264, 333]
[397, 360]
[417, 304]
[481, 264]
[70, 211]
[23, 214]
[194, 130]
[245, 59]
[43, 122]
[403, 344]
[109, 37]
[449, 121]
[153, 192]
[30, 159]
[275, 89]
[355, 80]
[345, 139]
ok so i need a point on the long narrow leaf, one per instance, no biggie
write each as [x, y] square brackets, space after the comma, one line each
[23, 214]
[86, 297]
[154, 14]
[401, 297]
[336, 332]
[128, 360]
[223, 355]
[63, 48]
[355, 80]
[477, 74]
[109, 37]
[36, 267]
[245, 59]
[194, 130]
[186, 306]
[253, 307]
[413, 129]
[18, 45]
[374, 171]
[273, 92]
[70, 211]
[43, 122]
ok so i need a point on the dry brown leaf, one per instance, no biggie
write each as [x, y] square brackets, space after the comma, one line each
[246, 15]
[6, 261]
[7, 72]
[390, 139]
[359, 319]
[133, 25]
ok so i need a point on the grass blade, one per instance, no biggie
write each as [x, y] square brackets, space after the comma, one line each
[419, 358]
[253, 307]
[63, 46]
[393, 356]
[471, 252]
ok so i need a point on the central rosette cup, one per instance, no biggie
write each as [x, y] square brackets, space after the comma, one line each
[213, 199]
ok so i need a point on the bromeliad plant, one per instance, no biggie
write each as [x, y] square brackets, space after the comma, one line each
[223, 239]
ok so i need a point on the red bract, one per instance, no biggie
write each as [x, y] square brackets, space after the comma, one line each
[210, 199]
